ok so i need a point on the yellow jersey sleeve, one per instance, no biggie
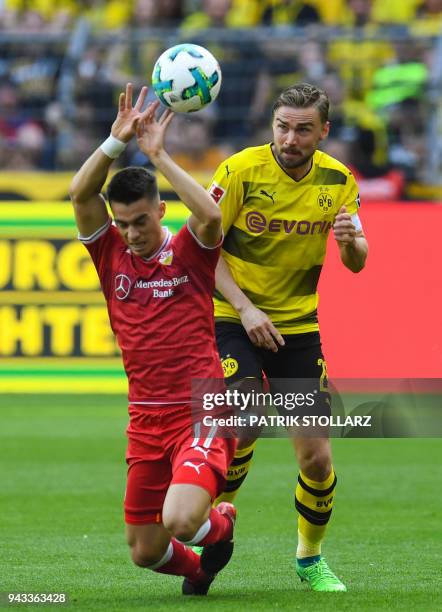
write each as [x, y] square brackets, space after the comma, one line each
[228, 192]
[350, 196]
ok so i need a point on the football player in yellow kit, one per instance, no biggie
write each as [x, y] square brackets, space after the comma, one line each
[279, 202]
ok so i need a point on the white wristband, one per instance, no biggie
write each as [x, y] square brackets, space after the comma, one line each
[112, 147]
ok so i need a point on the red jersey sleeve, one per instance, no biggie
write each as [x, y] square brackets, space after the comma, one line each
[198, 256]
[103, 246]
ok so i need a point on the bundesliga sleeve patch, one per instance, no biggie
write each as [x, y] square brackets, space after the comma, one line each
[217, 192]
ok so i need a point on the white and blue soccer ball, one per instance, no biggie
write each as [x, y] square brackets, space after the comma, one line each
[186, 78]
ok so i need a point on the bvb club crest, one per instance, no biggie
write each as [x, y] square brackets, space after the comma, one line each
[230, 366]
[325, 201]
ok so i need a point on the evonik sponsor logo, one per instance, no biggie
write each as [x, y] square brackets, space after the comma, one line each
[257, 223]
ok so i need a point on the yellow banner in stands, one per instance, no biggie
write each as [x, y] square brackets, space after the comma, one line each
[54, 328]
[55, 185]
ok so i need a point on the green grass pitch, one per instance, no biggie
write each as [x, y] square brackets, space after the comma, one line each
[61, 525]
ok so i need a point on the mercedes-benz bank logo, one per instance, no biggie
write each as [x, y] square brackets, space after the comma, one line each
[122, 286]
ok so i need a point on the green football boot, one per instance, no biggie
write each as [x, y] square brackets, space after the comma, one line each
[320, 577]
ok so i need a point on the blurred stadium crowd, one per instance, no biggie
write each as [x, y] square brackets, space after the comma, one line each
[63, 63]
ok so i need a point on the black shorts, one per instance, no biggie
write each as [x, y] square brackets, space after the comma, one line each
[301, 357]
[300, 360]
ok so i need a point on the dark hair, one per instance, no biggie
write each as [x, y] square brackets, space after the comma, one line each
[132, 184]
[303, 95]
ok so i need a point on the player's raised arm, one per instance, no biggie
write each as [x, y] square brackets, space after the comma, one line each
[205, 220]
[89, 206]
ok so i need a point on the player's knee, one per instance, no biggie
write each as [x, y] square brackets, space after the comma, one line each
[145, 556]
[316, 465]
[182, 525]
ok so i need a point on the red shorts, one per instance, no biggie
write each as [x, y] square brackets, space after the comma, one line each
[164, 449]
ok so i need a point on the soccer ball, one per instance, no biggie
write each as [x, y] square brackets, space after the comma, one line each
[186, 78]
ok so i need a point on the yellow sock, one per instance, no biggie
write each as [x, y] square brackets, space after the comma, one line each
[314, 503]
[306, 548]
[236, 474]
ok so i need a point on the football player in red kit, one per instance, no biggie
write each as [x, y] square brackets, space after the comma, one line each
[158, 289]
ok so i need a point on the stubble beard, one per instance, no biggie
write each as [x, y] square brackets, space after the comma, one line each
[295, 163]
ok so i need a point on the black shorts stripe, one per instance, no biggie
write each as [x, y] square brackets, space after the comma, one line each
[317, 492]
[316, 518]
[242, 460]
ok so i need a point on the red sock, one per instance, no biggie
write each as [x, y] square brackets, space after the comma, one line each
[179, 561]
[219, 528]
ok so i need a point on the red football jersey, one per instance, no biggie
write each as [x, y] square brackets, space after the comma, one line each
[161, 312]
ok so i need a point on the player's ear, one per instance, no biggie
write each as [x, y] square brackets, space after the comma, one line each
[162, 208]
[325, 130]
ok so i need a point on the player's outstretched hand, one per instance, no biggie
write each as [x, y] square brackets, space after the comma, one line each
[151, 131]
[260, 329]
[125, 125]
[343, 227]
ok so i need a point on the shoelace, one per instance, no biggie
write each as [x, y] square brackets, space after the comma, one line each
[320, 569]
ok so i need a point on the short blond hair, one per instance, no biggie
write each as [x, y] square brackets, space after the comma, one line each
[303, 95]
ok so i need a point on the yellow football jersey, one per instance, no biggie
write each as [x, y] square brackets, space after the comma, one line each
[276, 232]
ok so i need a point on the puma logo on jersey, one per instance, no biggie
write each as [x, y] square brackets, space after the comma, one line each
[196, 467]
[268, 195]
[228, 171]
[202, 450]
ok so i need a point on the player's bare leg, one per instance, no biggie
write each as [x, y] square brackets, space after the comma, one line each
[314, 457]
[189, 516]
[162, 547]
[185, 509]
[153, 548]
[314, 502]
[148, 543]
